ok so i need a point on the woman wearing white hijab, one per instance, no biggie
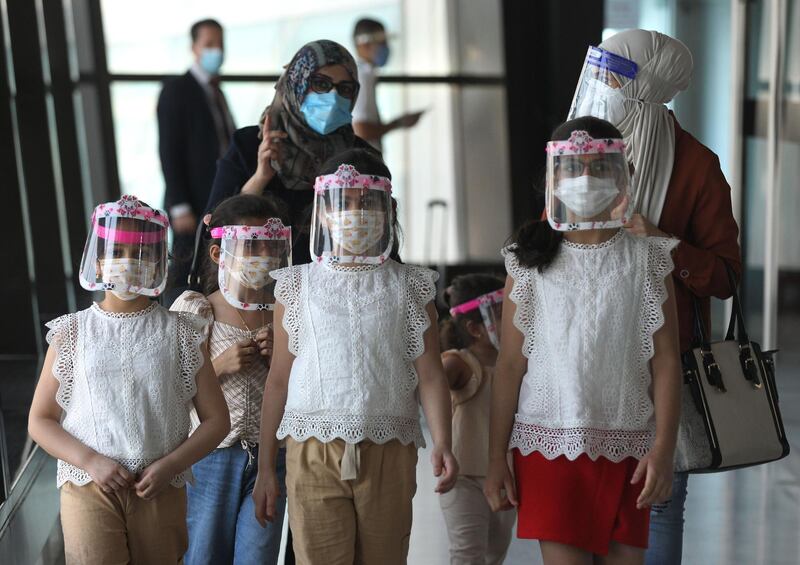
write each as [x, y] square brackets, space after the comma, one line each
[679, 191]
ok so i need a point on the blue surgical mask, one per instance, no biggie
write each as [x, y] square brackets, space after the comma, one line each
[211, 60]
[326, 112]
[382, 55]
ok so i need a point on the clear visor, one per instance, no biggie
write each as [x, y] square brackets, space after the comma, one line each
[248, 254]
[599, 87]
[352, 220]
[491, 308]
[588, 184]
[126, 250]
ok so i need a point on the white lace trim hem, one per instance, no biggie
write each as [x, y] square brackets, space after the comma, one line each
[352, 428]
[79, 477]
[614, 445]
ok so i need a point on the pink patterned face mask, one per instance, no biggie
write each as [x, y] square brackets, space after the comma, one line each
[356, 231]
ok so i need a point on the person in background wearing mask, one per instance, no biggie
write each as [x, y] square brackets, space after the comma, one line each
[307, 122]
[372, 50]
[194, 128]
[679, 191]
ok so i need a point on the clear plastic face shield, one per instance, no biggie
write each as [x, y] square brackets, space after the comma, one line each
[491, 307]
[247, 256]
[352, 218]
[126, 251]
[588, 183]
[599, 91]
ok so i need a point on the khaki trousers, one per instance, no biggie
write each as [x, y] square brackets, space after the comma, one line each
[477, 535]
[366, 520]
[121, 528]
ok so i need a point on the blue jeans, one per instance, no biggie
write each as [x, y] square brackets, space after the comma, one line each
[666, 526]
[221, 515]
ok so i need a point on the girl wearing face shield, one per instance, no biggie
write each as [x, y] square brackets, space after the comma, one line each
[470, 340]
[113, 399]
[247, 239]
[356, 352]
[587, 393]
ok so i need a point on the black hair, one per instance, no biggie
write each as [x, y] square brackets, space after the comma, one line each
[195, 29]
[233, 211]
[367, 25]
[366, 162]
[537, 242]
[453, 332]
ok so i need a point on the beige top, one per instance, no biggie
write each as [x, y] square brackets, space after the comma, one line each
[243, 391]
[471, 404]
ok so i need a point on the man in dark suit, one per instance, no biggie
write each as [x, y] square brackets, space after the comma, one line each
[194, 128]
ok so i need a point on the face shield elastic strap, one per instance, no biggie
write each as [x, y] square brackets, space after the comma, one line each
[346, 176]
[485, 299]
[129, 237]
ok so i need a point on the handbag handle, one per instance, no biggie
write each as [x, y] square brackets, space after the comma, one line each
[737, 317]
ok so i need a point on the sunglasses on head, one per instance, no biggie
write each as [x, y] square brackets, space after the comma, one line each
[322, 84]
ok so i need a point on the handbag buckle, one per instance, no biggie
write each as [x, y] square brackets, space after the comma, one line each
[711, 368]
[749, 368]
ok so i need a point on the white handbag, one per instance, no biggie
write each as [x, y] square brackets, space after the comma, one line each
[729, 414]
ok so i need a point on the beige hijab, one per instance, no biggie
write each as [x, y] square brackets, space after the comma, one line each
[665, 68]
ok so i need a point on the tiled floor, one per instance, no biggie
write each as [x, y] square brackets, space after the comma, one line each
[747, 517]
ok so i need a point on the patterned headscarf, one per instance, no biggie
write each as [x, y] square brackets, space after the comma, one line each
[305, 150]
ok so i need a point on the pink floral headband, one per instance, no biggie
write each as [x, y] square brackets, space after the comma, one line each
[272, 229]
[581, 143]
[490, 298]
[129, 207]
[346, 176]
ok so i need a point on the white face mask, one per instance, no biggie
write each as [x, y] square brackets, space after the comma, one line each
[124, 273]
[253, 272]
[356, 231]
[586, 196]
[602, 101]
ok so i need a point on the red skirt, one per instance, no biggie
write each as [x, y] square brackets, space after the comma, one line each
[583, 503]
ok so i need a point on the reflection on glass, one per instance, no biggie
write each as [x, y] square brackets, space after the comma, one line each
[260, 38]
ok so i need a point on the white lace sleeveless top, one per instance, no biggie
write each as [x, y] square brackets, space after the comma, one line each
[588, 322]
[126, 383]
[355, 334]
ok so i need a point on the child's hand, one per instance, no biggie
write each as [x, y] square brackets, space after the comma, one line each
[445, 467]
[499, 487]
[657, 466]
[236, 358]
[265, 493]
[109, 475]
[264, 339]
[154, 479]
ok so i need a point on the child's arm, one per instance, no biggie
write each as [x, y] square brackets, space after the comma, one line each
[456, 370]
[44, 427]
[509, 371]
[214, 426]
[435, 397]
[266, 489]
[666, 369]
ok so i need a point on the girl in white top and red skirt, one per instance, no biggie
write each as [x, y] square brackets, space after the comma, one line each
[356, 350]
[587, 392]
[113, 399]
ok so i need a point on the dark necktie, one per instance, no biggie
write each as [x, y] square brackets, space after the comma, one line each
[221, 115]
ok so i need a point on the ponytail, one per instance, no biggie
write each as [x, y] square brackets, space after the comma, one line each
[537, 244]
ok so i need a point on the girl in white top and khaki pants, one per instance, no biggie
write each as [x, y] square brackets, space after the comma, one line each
[356, 350]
